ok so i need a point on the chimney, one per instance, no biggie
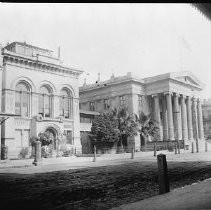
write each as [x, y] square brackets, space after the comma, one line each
[112, 76]
[84, 82]
[59, 52]
[98, 77]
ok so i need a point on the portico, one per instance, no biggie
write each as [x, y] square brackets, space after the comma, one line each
[180, 115]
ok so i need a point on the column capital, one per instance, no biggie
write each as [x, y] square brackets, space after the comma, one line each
[189, 97]
[154, 95]
[183, 96]
[199, 100]
[168, 93]
[195, 99]
[177, 94]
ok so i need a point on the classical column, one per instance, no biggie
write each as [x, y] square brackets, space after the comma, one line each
[195, 120]
[184, 119]
[177, 115]
[200, 120]
[189, 117]
[165, 119]
[170, 116]
[157, 114]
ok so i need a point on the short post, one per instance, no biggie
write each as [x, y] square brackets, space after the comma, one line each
[175, 148]
[37, 158]
[75, 151]
[197, 145]
[178, 147]
[163, 179]
[192, 148]
[57, 147]
[155, 149]
[206, 149]
[132, 152]
[94, 160]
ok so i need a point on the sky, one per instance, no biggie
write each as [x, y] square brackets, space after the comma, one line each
[146, 39]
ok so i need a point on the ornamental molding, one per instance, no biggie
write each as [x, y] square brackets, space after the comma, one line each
[30, 63]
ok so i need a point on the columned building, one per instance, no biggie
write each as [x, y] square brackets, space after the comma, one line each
[172, 99]
[43, 92]
[206, 110]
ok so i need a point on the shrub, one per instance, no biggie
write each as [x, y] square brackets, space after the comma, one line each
[45, 138]
[24, 153]
[46, 151]
[4, 152]
[32, 140]
[170, 148]
[67, 151]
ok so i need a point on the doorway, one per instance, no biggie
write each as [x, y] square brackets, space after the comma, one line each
[52, 135]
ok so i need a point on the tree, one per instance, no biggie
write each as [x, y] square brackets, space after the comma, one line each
[45, 138]
[147, 126]
[127, 124]
[104, 129]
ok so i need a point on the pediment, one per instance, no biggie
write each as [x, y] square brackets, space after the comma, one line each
[188, 80]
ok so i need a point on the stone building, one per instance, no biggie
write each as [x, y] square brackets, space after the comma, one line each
[206, 110]
[173, 99]
[35, 85]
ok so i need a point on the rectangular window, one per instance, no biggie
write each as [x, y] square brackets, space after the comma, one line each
[106, 104]
[69, 137]
[122, 100]
[92, 107]
[139, 100]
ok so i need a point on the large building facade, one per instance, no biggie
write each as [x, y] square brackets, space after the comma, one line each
[206, 110]
[172, 99]
[44, 94]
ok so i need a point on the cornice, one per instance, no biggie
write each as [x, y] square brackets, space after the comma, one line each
[109, 83]
[26, 61]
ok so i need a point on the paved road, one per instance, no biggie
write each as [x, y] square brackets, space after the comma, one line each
[97, 186]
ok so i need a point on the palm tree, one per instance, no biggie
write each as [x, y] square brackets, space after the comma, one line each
[147, 127]
[127, 125]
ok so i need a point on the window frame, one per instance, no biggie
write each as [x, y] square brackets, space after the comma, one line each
[21, 93]
[62, 105]
[122, 100]
[45, 97]
[106, 103]
[92, 106]
[71, 140]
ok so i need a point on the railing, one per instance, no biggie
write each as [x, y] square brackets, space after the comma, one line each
[162, 145]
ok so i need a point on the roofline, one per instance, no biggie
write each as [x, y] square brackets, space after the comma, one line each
[146, 81]
[29, 45]
[21, 56]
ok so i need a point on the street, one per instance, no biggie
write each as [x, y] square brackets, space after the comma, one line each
[100, 187]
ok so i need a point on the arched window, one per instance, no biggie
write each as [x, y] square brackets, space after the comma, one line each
[65, 103]
[22, 97]
[45, 102]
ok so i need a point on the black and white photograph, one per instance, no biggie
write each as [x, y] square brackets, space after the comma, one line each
[105, 106]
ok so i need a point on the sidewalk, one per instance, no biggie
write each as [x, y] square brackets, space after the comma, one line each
[73, 162]
[195, 196]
